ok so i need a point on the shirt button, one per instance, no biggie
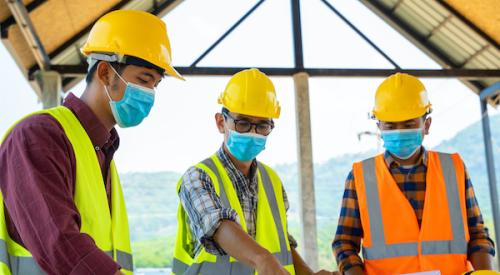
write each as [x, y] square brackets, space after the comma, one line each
[97, 148]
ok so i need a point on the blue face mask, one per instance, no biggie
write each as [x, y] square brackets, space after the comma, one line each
[135, 105]
[402, 143]
[246, 146]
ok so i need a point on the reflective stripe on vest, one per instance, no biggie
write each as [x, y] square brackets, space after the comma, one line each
[223, 265]
[27, 265]
[380, 250]
[124, 259]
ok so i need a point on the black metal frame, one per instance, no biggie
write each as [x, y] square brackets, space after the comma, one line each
[81, 70]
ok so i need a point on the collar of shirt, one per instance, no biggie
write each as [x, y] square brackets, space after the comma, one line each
[239, 179]
[101, 138]
[393, 163]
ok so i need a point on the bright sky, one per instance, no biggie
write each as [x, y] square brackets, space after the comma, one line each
[180, 130]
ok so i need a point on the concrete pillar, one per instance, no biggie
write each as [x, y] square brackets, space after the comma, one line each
[50, 83]
[306, 172]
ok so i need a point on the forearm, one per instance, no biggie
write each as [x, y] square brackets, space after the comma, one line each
[481, 261]
[239, 245]
[301, 267]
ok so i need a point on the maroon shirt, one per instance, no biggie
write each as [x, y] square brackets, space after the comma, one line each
[37, 180]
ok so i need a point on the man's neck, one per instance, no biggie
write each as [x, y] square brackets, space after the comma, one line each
[94, 101]
[242, 166]
[411, 161]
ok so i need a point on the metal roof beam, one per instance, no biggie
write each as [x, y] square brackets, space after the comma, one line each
[297, 35]
[490, 91]
[81, 70]
[360, 33]
[229, 31]
[23, 19]
[408, 32]
[4, 26]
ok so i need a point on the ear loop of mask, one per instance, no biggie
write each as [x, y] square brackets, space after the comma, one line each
[106, 88]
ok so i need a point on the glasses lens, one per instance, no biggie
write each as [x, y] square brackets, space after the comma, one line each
[243, 126]
[264, 128]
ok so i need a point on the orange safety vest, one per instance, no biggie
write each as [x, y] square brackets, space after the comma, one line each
[393, 242]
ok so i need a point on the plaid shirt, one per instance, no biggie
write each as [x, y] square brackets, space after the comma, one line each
[411, 181]
[205, 210]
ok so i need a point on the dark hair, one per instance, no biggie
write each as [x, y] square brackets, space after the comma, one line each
[119, 67]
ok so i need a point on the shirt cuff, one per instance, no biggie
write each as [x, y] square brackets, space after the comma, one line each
[96, 262]
[208, 241]
[481, 245]
[350, 262]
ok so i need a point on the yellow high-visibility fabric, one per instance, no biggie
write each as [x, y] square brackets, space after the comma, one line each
[110, 231]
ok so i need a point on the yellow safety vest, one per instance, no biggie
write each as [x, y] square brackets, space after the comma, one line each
[271, 227]
[110, 231]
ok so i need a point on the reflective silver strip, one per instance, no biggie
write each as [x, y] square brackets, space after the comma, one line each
[378, 249]
[19, 265]
[27, 265]
[178, 267]
[4, 258]
[458, 244]
[381, 250]
[124, 259]
[211, 165]
[273, 204]
[222, 266]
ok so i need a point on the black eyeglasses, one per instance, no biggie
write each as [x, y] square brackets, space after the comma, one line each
[245, 126]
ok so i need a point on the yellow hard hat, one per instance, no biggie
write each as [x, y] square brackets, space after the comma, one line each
[132, 33]
[401, 97]
[251, 92]
[482, 272]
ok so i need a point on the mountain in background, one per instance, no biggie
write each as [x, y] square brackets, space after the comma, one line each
[152, 200]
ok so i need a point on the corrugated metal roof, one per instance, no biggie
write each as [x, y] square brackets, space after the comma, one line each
[62, 27]
[465, 38]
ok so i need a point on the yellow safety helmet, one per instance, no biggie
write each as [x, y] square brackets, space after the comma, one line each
[401, 97]
[251, 92]
[132, 33]
[482, 272]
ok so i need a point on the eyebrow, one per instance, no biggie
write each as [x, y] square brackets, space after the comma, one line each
[250, 120]
[148, 74]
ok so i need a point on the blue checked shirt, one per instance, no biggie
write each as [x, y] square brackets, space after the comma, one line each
[205, 210]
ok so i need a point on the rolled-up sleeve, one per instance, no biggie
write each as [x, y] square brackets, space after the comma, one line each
[347, 242]
[480, 240]
[204, 208]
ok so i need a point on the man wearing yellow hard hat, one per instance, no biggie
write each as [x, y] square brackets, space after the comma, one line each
[232, 211]
[410, 209]
[61, 205]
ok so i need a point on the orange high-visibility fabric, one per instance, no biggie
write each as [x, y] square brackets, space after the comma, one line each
[400, 224]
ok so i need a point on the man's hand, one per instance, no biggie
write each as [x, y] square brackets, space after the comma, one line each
[269, 265]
